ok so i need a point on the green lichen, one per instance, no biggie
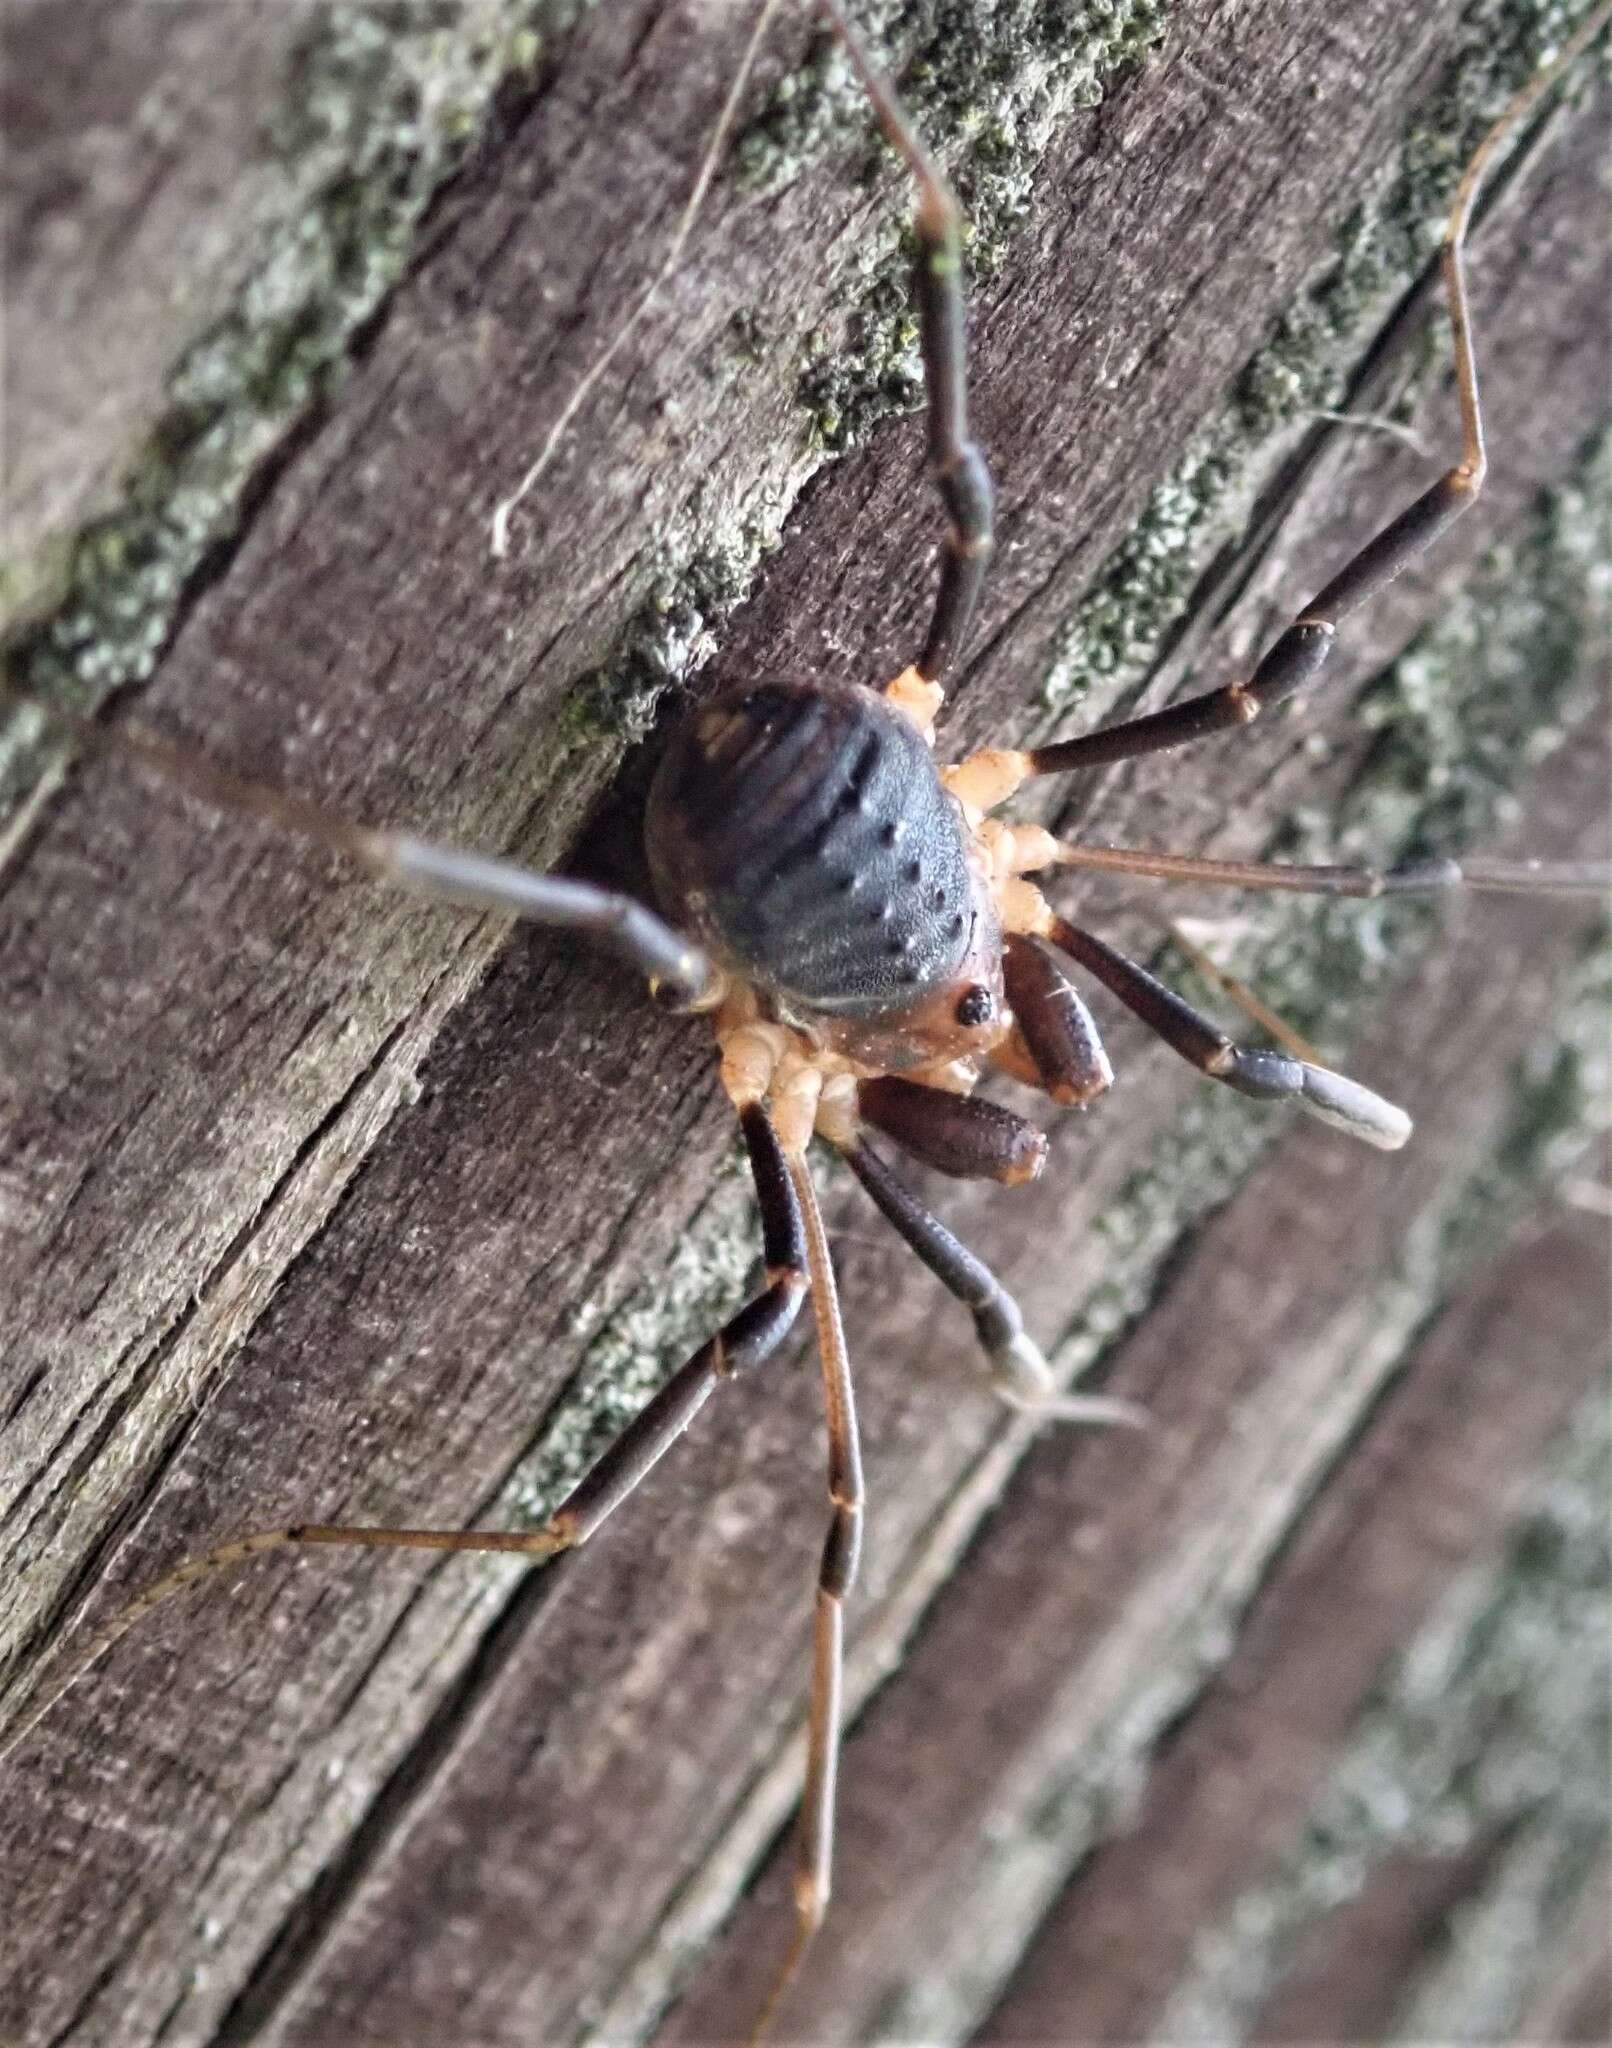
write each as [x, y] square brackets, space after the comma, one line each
[1535, 610]
[987, 88]
[1085, 1792]
[987, 91]
[1490, 688]
[1468, 1773]
[1492, 1729]
[985, 84]
[641, 1340]
[1476, 699]
[1451, 718]
[382, 102]
[670, 634]
[385, 101]
[1305, 367]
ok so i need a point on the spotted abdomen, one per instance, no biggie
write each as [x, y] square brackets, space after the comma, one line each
[801, 832]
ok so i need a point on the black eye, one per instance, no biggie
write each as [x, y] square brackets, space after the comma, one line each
[975, 1006]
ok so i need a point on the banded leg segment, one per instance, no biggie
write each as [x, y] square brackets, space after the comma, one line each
[1298, 656]
[1266, 1076]
[958, 466]
[1019, 1370]
[814, 1852]
[424, 867]
[745, 1340]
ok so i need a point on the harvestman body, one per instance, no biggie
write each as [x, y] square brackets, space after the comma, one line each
[861, 931]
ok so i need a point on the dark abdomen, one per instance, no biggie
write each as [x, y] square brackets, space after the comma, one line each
[800, 831]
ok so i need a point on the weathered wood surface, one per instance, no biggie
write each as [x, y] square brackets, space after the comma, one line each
[317, 1205]
[136, 176]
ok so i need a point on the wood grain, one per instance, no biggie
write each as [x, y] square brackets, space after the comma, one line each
[316, 1204]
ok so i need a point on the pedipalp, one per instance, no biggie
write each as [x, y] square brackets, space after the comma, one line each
[903, 1067]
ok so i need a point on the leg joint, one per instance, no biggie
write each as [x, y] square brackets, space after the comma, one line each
[841, 1553]
[811, 1901]
[969, 497]
[1291, 662]
[760, 1326]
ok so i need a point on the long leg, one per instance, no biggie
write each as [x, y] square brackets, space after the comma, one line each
[1029, 849]
[444, 874]
[1242, 995]
[1417, 878]
[955, 459]
[814, 1856]
[745, 1340]
[710, 157]
[1019, 1369]
[958, 465]
[1299, 654]
[1267, 1076]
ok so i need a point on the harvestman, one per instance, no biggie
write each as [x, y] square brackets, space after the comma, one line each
[859, 927]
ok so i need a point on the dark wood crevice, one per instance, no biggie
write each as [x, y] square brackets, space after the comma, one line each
[1436, 1476]
[424, 1802]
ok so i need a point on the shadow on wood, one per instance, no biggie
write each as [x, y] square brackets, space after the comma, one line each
[316, 1204]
